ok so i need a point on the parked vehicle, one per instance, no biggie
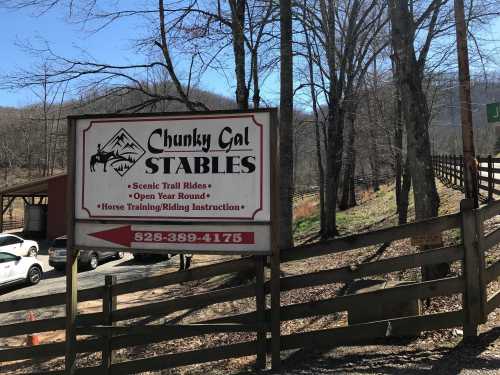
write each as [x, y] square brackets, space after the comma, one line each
[86, 258]
[16, 269]
[18, 246]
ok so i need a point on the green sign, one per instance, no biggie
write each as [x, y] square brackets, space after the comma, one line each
[493, 112]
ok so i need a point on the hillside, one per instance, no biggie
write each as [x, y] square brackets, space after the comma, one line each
[374, 210]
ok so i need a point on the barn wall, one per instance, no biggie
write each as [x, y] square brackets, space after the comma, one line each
[56, 217]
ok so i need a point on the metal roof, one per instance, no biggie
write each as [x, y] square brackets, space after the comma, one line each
[36, 188]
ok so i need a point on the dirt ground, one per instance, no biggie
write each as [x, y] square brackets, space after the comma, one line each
[439, 352]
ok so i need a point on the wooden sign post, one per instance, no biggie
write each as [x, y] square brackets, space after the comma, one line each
[199, 183]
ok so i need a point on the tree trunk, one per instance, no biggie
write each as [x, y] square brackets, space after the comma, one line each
[398, 148]
[237, 24]
[255, 80]
[333, 166]
[319, 161]
[374, 160]
[402, 203]
[416, 115]
[321, 173]
[286, 125]
[348, 198]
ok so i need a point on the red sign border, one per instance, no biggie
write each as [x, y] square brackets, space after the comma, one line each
[180, 118]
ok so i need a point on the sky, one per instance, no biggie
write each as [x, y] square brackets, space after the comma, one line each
[110, 45]
[21, 27]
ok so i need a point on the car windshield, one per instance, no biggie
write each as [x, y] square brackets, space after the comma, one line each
[59, 242]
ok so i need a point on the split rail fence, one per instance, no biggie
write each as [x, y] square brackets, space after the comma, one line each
[115, 328]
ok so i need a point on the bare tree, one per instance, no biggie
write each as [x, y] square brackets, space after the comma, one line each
[311, 79]
[286, 123]
[344, 32]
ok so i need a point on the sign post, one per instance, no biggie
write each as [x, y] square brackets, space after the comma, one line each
[203, 182]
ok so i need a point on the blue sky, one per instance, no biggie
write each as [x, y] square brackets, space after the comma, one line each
[111, 45]
[20, 27]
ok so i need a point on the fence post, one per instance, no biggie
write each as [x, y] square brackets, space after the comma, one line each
[441, 167]
[474, 297]
[450, 166]
[448, 169]
[108, 306]
[461, 171]
[490, 178]
[260, 306]
[455, 172]
[444, 168]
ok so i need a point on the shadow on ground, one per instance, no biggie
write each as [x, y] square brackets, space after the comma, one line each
[398, 358]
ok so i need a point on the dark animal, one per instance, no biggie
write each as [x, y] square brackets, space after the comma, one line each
[101, 158]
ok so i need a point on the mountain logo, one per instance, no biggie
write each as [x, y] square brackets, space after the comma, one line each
[120, 153]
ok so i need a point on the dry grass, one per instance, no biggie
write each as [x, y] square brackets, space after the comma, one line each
[306, 208]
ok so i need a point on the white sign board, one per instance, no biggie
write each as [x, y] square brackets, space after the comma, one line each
[191, 182]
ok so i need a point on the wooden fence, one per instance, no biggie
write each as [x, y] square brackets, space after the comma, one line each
[13, 224]
[116, 328]
[366, 180]
[450, 169]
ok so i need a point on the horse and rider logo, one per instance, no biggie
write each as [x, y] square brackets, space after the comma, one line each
[121, 152]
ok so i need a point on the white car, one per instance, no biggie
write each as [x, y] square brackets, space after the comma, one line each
[16, 245]
[16, 269]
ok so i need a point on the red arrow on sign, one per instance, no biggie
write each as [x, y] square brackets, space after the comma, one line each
[121, 236]
[124, 236]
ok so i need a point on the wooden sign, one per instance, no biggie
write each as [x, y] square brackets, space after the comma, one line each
[197, 182]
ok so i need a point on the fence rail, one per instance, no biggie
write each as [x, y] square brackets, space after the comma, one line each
[358, 180]
[107, 337]
[450, 170]
[13, 224]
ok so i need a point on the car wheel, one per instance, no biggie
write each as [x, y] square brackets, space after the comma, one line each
[32, 252]
[93, 261]
[119, 255]
[34, 275]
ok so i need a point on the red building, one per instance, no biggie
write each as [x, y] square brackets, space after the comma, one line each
[49, 193]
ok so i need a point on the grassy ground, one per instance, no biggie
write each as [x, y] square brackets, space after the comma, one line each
[374, 210]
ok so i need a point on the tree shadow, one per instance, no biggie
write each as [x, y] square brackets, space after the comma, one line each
[393, 357]
[465, 355]
[13, 288]
[149, 260]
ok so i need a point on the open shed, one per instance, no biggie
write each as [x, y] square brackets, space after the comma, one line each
[49, 191]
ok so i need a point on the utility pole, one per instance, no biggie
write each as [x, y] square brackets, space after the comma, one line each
[470, 163]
